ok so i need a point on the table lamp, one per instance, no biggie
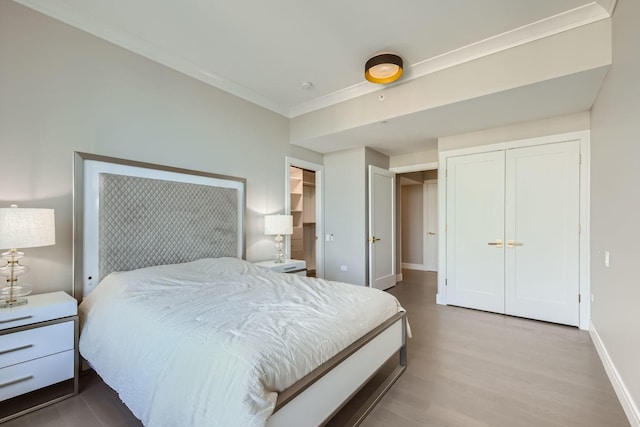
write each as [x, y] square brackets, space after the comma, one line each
[21, 228]
[278, 225]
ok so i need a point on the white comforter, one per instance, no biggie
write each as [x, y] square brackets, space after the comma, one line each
[212, 342]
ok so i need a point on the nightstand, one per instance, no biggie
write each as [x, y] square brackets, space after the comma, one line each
[38, 353]
[294, 266]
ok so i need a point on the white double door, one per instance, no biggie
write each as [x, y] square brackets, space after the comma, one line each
[513, 239]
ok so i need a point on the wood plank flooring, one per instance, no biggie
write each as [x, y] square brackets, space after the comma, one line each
[466, 368]
[478, 369]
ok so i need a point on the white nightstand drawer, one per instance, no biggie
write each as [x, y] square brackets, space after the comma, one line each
[40, 308]
[25, 377]
[31, 344]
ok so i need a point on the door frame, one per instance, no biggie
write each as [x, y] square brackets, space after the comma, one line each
[319, 172]
[585, 165]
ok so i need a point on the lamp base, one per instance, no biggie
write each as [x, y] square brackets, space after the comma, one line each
[16, 302]
[279, 258]
[12, 296]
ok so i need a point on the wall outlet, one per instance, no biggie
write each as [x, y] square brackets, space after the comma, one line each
[592, 298]
[343, 268]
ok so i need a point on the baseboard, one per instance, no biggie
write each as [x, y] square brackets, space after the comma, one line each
[440, 300]
[398, 277]
[410, 266]
[628, 405]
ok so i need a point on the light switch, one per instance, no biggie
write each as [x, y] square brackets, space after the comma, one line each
[606, 258]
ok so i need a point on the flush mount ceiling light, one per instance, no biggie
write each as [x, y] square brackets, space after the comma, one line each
[384, 68]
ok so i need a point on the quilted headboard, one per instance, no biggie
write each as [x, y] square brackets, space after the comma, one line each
[130, 215]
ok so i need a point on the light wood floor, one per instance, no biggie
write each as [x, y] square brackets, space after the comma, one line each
[477, 369]
[466, 368]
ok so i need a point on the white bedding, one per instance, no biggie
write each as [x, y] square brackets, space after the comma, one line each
[212, 342]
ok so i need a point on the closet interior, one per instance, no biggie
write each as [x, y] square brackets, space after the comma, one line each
[303, 210]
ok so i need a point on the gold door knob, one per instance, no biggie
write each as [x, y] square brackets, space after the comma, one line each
[373, 239]
[430, 233]
[497, 243]
[512, 244]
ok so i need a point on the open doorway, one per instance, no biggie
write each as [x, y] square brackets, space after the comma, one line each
[417, 213]
[303, 210]
[304, 203]
[419, 220]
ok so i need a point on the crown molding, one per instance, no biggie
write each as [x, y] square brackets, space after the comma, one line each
[608, 5]
[152, 52]
[561, 22]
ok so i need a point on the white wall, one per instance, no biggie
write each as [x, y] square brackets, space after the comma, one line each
[615, 202]
[62, 90]
[532, 129]
[429, 155]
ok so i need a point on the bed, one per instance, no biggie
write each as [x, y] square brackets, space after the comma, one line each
[190, 334]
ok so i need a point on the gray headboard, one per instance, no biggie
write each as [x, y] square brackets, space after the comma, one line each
[130, 215]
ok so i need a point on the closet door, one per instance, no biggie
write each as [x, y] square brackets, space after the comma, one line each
[542, 218]
[475, 228]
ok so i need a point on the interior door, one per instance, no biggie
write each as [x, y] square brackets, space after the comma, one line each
[382, 259]
[475, 231]
[542, 231]
[431, 225]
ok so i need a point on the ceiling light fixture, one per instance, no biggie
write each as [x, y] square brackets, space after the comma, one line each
[384, 68]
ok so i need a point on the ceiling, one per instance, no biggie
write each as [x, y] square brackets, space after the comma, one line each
[419, 131]
[264, 51]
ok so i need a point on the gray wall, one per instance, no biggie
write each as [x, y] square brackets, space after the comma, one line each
[412, 224]
[615, 201]
[345, 209]
[63, 90]
[346, 201]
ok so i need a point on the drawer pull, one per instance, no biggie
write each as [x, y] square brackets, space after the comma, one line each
[15, 319]
[19, 380]
[24, 347]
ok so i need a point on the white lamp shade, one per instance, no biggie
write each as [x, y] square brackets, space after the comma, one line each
[26, 228]
[278, 224]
